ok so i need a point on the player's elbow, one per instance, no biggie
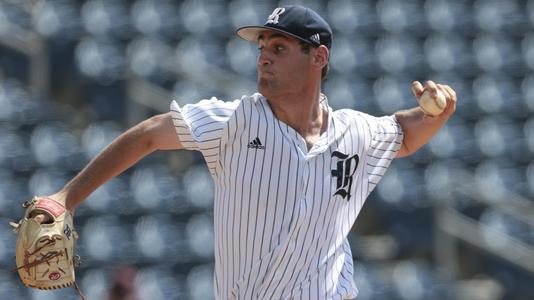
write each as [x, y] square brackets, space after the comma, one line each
[406, 150]
[403, 151]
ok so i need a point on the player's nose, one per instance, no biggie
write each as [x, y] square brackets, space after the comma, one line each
[263, 59]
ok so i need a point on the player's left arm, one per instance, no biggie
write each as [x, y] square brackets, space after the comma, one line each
[418, 127]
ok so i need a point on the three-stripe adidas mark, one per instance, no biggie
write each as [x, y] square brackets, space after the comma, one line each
[256, 144]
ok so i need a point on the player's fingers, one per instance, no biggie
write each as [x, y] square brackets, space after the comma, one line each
[432, 88]
[417, 89]
[445, 92]
[451, 107]
[42, 218]
[451, 92]
[450, 96]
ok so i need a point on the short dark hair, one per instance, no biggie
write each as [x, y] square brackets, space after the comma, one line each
[305, 48]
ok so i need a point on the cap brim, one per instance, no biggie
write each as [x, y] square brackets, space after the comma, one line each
[251, 33]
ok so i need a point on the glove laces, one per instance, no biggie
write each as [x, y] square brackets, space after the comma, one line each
[47, 257]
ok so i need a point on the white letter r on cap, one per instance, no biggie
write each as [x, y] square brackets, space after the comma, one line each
[273, 18]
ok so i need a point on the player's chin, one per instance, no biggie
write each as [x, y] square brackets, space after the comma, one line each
[264, 85]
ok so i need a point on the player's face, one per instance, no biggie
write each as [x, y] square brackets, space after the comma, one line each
[282, 66]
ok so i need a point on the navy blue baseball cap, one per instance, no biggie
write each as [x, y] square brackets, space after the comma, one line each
[296, 21]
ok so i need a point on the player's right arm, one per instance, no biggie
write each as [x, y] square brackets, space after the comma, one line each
[156, 133]
[198, 126]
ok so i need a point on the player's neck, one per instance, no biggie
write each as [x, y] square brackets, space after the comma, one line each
[302, 111]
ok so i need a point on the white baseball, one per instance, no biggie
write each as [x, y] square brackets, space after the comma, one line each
[432, 106]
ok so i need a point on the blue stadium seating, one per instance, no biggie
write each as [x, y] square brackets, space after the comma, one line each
[157, 216]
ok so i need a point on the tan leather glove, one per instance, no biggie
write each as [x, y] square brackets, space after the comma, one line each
[45, 252]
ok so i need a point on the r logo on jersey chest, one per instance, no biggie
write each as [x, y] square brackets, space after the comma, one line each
[345, 168]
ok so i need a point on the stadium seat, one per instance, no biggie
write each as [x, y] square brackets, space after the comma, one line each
[14, 152]
[155, 236]
[373, 281]
[527, 93]
[109, 198]
[151, 17]
[339, 91]
[415, 280]
[454, 140]
[392, 94]
[199, 232]
[347, 16]
[529, 172]
[397, 16]
[153, 187]
[95, 283]
[447, 52]
[499, 94]
[343, 58]
[47, 181]
[67, 294]
[198, 189]
[206, 17]
[497, 53]
[13, 192]
[101, 60]
[10, 285]
[527, 49]
[158, 282]
[400, 53]
[162, 223]
[403, 186]
[355, 94]
[196, 54]
[242, 56]
[151, 57]
[96, 136]
[245, 13]
[494, 178]
[495, 16]
[107, 18]
[52, 143]
[13, 18]
[200, 282]
[7, 245]
[446, 16]
[104, 239]
[187, 92]
[444, 178]
[499, 137]
[58, 20]
[18, 106]
[528, 130]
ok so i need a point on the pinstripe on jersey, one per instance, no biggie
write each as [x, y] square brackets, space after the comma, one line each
[282, 212]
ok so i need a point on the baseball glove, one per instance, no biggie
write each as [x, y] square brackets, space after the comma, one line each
[45, 252]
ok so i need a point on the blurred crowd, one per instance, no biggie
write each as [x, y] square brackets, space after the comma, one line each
[453, 221]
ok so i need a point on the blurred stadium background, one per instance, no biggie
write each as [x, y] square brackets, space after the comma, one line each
[454, 221]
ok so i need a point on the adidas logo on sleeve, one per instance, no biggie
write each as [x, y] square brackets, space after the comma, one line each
[256, 144]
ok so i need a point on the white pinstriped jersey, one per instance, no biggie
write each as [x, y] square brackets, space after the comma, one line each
[282, 212]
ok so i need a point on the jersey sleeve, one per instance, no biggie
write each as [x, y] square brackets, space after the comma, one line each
[200, 126]
[386, 140]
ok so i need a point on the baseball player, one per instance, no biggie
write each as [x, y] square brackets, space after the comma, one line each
[291, 175]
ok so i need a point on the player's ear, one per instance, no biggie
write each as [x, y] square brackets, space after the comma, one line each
[320, 56]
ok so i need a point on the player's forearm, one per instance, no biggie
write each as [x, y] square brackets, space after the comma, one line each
[418, 128]
[118, 156]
